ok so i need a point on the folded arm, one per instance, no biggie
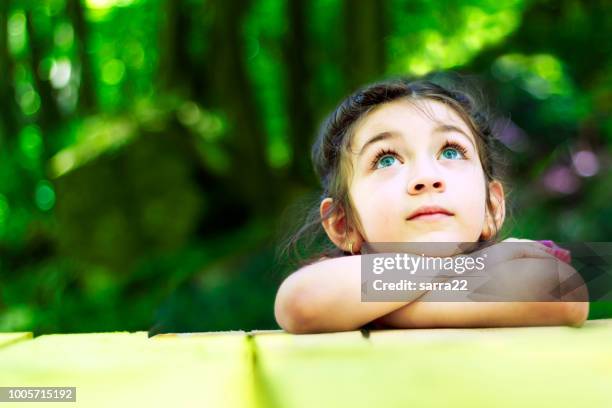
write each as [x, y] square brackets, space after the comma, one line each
[529, 276]
[326, 296]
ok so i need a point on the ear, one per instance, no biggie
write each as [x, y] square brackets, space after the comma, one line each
[337, 230]
[495, 220]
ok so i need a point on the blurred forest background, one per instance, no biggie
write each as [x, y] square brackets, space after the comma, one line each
[149, 148]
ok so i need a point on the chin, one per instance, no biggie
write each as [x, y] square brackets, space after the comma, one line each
[439, 237]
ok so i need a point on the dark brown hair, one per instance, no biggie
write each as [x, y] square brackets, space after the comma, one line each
[329, 155]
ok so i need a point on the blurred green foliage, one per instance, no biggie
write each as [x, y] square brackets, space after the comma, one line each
[149, 147]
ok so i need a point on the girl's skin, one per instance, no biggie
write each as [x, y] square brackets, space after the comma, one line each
[409, 154]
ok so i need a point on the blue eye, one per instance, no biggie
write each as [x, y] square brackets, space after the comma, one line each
[453, 151]
[385, 161]
[450, 153]
[384, 158]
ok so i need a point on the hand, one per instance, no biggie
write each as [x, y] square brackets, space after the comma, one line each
[515, 248]
[561, 253]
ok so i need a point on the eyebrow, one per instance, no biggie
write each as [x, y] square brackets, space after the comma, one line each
[377, 138]
[443, 128]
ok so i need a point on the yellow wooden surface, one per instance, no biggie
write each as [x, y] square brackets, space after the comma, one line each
[510, 367]
[11, 338]
[507, 367]
[129, 369]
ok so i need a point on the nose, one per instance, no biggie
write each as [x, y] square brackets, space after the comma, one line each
[426, 180]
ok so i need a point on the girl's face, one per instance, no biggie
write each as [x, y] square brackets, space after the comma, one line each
[408, 158]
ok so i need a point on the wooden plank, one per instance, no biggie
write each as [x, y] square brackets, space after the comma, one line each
[129, 369]
[506, 367]
[542, 366]
[11, 338]
[313, 370]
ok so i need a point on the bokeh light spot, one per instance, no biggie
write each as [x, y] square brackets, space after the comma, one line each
[113, 71]
[45, 195]
[29, 101]
[561, 179]
[60, 73]
[64, 35]
[586, 163]
[30, 142]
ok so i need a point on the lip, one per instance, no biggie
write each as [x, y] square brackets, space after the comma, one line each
[429, 213]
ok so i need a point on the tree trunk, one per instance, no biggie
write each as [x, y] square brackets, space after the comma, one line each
[167, 68]
[299, 73]
[232, 92]
[9, 112]
[49, 113]
[364, 27]
[87, 92]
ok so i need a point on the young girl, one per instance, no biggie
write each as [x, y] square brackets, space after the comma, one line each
[409, 162]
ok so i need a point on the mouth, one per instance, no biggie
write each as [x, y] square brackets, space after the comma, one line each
[431, 213]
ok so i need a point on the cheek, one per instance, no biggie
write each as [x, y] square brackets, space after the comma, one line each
[472, 193]
[478, 202]
[374, 204]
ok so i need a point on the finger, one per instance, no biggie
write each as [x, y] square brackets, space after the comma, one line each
[501, 253]
[545, 245]
[533, 251]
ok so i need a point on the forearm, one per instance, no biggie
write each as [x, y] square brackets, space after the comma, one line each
[326, 296]
[525, 277]
[422, 314]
